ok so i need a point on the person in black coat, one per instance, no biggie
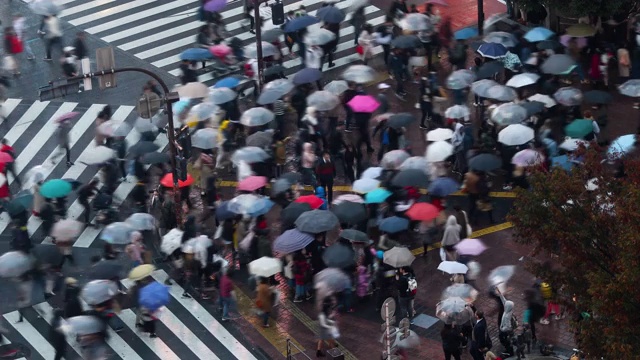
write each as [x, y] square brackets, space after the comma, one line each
[479, 343]
[72, 305]
[451, 342]
[56, 336]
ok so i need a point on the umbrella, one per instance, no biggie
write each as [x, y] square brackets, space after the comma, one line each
[280, 186]
[114, 128]
[415, 22]
[117, 233]
[492, 50]
[330, 14]
[19, 204]
[485, 162]
[416, 162]
[221, 95]
[359, 74]
[141, 221]
[83, 325]
[630, 88]
[153, 296]
[214, 5]
[393, 159]
[14, 264]
[422, 211]
[249, 154]
[464, 291]
[511, 61]
[292, 177]
[516, 134]
[300, 23]
[105, 270]
[465, 33]
[570, 144]
[48, 255]
[527, 157]
[339, 256]
[67, 116]
[66, 230]
[292, 212]
[202, 112]
[193, 90]
[563, 162]
[143, 125]
[268, 49]
[456, 112]
[398, 257]
[581, 30]
[377, 196]
[549, 45]
[268, 97]
[454, 310]
[291, 241]
[204, 138]
[323, 100]
[579, 128]
[363, 104]
[545, 99]
[336, 87]
[261, 139]
[313, 201]
[597, 97]
[252, 183]
[524, 79]
[99, 291]
[335, 280]
[372, 173]
[406, 42]
[246, 204]
[355, 236]
[349, 212]
[35, 175]
[316, 221]
[44, 7]
[438, 151]
[568, 96]
[171, 241]
[348, 197]
[557, 64]
[257, 116]
[223, 212]
[472, 247]
[55, 188]
[282, 86]
[443, 186]
[100, 155]
[501, 93]
[272, 35]
[364, 186]
[141, 148]
[622, 145]
[460, 79]
[481, 87]
[538, 34]
[398, 121]
[500, 37]
[440, 134]
[489, 70]
[141, 271]
[393, 224]
[509, 113]
[500, 275]
[532, 107]
[307, 76]
[167, 181]
[228, 82]
[265, 267]
[196, 54]
[453, 267]
[411, 177]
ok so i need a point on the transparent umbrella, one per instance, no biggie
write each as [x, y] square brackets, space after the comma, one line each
[336, 87]
[249, 154]
[221, 95]
[283, 86]
[501, 93]
[99, 291]
[500, 275]
[415, 22]
[481, 87]
[359, 74]
[454, 310]
[319, 37]
[630, 88]
[323, 100]
[206, 138]
[117, 233]
[268, 49]
[439, 151]
[568, 96]
[142, 221]
[416, 163]
[83, 325]
[256, 116]
[464, 291]
[98, 155]
[457, 112]
[393, 159]
[460, 79]
[501, 37]
[509, 113]
[203, 111]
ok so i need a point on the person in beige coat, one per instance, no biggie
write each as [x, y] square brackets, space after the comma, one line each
[38, 200]
[264, 300]
[624, 64]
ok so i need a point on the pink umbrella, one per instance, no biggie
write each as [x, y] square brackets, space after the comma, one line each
[363, 104]
[252, 183]
[348, 197]
[470, 247]
[564, 40]
[67, 116]
[220, 50]
[527, 157]
[5, 158]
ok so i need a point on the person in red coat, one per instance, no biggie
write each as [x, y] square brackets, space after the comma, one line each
[325, 172]
[300, 269]
[4, 188]
[9, 167]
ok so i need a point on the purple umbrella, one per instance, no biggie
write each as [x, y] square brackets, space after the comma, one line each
[470, 247]
[215, 5]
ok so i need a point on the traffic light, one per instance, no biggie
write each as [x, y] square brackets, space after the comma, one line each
[277, 13]
[181, 168]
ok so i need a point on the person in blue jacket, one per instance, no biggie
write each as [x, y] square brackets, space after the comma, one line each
[321, 194]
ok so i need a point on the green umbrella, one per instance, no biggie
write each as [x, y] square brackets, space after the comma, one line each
[55, 188]
[579, 128]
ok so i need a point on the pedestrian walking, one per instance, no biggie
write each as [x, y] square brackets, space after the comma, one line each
[480, 340]
[326, 172]
[264, 300]
[358, 20]
[407, 288]
[12, 49]
[10, 166]
[328, 327]
[62, 134]
[452, 340]
[84, 194]
[366, 42]
[397, 69]
[72, 303]
[19, 26]
[52, 35]
[56, 335]
[225, 299]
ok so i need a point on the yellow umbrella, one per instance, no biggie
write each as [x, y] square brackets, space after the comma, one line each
[141, 271]
[581, 30]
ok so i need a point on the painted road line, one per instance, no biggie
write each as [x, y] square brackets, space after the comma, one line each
[46, 312]
[476, 234]
[7, 107]
[31, 335]
[156, 344]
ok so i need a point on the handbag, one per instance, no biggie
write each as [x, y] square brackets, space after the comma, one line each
[360, 50]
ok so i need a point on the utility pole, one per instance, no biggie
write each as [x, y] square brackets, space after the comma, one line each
[258, 21]
[481, 16]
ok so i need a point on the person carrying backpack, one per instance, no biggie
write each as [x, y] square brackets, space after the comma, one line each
[407, 289]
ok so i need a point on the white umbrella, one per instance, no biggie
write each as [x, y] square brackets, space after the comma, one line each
[142, 221]
[323, 100]
[117, 233]
[14, 263]
[516, 134]
[524, 79]
[193, 90]
[440, 134]
[453, 267]
[171, 241]
[364, 186]
[66, 230]
[265, 267]
[336, 87]
[457, 112]
[570, 144]
[99, 155]
[204, 138]
[359, 74]
[319, 37]
[547, 100]
[372, 173]
[416, 163]
[143, 125]
[439, 151]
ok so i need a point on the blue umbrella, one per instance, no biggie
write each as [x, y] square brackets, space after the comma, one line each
[196, 54]
[223, 212]
[492, 50]
[180, 106]
[538, 34]
[377, 196]
[307, 76]
[153, 296]
[228, 82]
[292, 241]
[466, 33]
[443, 186]
[261, 207]
[393, 224]
[330, 14]
[622, 145]
[562, 162]
[300, 23]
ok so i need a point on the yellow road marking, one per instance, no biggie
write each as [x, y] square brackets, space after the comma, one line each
[475, 234]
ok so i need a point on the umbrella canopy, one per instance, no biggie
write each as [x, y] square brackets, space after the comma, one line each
[532, 107]
[307, 76]
[257, 116]
[393, 159]
[398, 257]
[143, 125]
[348, 197]
[291, 241]
[141, 271]
[372, 173]
[466, 33]
[14, 263]
[549, 45]
[464, 291]
[457, 112]
[500, 275]
[313, 201]
[417, 163]
[579, 128]
[219, 96]
[557, 64]
[500, 37]
[35, 175]
[630, 88]
[440, 134]
[330, 14]
[45, 7]
[377, 196]
[415, 22]
[300, 23]
[443, 186]
[485, 162]
[83, 325]
[411, 177]
[249, 154]
[260, 139]
[316, 221]
[492, 50]
[265, 267]
[359, 74]
[454, 310]
[272, 35]
[406, 42]
[117, 233]
[339, 256]
[570, 144]
[509, 113]
[597, 97]
[141, 221]
[527, 157]
[55, 188]
[422, 211]
[292, 212]
[489, 70]
[112, 128]
[268, 49]
[214, 5]
[153, 296]
[66, 230]
[363, 104]
[538, 34]
[167, 181]
[568, 96]
[206, 138]
[48, 256]
[364, 186]
[323, 100]
[398, 121]
[622, 145]
[501, 93]
[516, 134]
[393, 224]
[453, 267]
[105, 270]
[522, 80]
[335, 280]
[19, 204]
[141, 148]
[223, 212]
[247, 204]
[196, 54]
[171, 241]
[355, 236]
[99, 291]
[481, 87]
[202, 112]
[193, 90]
[439, 151]
[282, 86]
[228, 82]
[581, 30]
[99, 155]
[349, 212]
[336, 87]
[545, 99]
[280, 186]
[269, 97]
[472, 247]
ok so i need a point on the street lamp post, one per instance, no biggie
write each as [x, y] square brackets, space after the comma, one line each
[480, 16]
[258, 29]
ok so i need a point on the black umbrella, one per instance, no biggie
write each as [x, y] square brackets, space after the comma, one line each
[355, 236]
[307, 76]
[48, 255]
[485, 162]
[549, 45]
[316, 221]
[488, 70]
[401, 120]
[155, 158]
[291, 213]
[339, 256]
[532, 107]
[406, 42]
[597, 97]
[141, 148]
[274, 70]
[105, 270]
[411, 177]
[292, 177]
[280, 186]
[350, 212]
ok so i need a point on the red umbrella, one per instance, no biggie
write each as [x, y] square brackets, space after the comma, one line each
[422, 211]
[67, 116]
[313, 201]
[167, 181]
[5, 158]
[252, 183]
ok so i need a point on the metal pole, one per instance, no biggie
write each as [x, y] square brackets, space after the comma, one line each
[481, 16]
[388, 330]
[258, 29]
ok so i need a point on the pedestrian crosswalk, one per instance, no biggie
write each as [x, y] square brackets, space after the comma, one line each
[185, 330]
[30, 128]
[158, 31]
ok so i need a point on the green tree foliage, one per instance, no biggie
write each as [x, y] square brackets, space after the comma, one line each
[587, 242]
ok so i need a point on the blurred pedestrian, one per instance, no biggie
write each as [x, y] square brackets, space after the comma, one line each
[53, 35]
[12, 49]
[326, 172]
[19, 27]
[62, 134]
[264, 300]
[9, 167]
[451, 342]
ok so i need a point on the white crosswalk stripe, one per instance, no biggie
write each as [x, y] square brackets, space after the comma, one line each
[159, 32]
[185, 329]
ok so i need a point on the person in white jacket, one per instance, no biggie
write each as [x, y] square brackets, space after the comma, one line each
[383, 38]
[53, 35]
[366, 41]
[313, 57]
